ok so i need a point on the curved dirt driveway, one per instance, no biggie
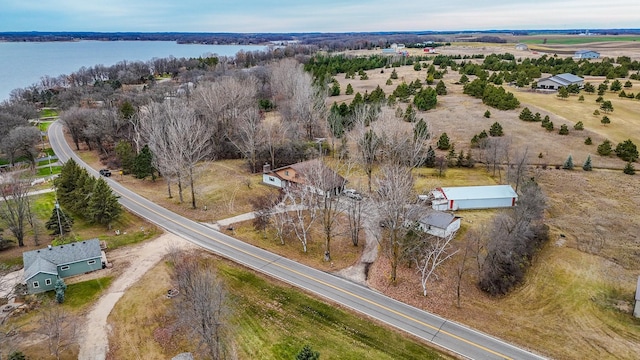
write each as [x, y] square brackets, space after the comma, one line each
[94, 341]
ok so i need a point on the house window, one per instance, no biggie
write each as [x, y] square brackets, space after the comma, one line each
[47, 281]
[91, 262]
[271, 179]
[36, 284]
[286, 172]
[65, 267]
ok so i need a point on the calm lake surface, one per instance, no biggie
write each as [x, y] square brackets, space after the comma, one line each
[24, 63]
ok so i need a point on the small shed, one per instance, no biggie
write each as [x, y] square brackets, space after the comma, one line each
[586, 54]
[522, 47]
[44, 266]
[438, 223]
[636, 309]
[473, 197]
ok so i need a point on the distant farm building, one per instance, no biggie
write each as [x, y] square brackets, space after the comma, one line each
[43, 267]
[557, 81]
[438, 223]
[522, 47]
[586, 54]
[430, 50]
[473, 197]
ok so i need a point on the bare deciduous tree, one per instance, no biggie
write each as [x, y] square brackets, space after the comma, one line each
[496, 152]
[394, 191]
[203, 307]
[15, 206]
[75, 120]
[300, 205]
[429, 253]
[21, 141]
[354, 213]
[517, 171]
[249, 136]
[59, 328]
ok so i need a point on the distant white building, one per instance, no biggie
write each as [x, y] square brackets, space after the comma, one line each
[586, 54]
[522, 47]
[473, 197]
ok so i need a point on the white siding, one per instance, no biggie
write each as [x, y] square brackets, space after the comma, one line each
[270, 179]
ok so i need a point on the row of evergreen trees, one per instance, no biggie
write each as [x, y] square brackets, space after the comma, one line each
[85, 196]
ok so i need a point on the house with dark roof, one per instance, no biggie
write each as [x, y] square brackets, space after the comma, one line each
[557, 81]
[44, 266]
[586, 54]
[438, 223]
[312, 173]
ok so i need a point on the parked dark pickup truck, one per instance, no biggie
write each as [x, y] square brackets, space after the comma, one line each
[105, 172]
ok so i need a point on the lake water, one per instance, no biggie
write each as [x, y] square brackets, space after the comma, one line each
[24, 63]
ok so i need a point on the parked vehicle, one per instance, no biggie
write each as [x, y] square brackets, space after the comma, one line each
[105, 172]
[352, 194]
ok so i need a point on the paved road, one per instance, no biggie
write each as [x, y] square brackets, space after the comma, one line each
[464, 341]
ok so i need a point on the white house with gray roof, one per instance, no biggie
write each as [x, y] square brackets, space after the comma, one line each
[438, 223]
[557, 81]
[43, 267]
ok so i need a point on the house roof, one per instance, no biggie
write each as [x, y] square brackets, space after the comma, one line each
[564, 79]
[330, 180]
[579, 52]
[638, 290]
[47, 259]
[478, 192]
[437, 219]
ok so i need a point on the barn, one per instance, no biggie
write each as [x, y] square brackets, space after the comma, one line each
[586, 54]
[557, 81]
[473, 197]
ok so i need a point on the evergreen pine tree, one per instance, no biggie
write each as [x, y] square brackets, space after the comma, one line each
[60, 288]
[66, 222]
[487, 114]
[443, 142]
[143, 165]
[496, 129]
[629, 169]
[587, 164]
[307, 353]
[430, 158]
[564, 130]
[588, 141]
[441, 89]
[568, 164]
[103, 206]
[66, 182]
[349, 90]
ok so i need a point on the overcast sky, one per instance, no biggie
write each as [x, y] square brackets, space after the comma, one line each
[314, 16]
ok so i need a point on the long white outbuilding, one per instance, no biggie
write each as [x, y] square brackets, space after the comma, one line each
[473, 197]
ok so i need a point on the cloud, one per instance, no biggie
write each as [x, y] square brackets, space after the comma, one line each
[304, 16]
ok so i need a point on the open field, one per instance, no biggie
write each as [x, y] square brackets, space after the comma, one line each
[271, 321]
[576, 40]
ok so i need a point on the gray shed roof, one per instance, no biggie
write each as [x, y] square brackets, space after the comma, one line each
[564, 79]
[437, 219]
[638, 290]
[46, 260]
[479, 192]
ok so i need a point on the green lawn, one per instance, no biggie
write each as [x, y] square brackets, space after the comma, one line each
[47, 112]
[44, 125]
[83, 293]
[45, 171]
[275, 322]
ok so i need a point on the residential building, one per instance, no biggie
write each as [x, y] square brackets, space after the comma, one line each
[44, 266]
[586, 54]
[311, 173]
[438, 223]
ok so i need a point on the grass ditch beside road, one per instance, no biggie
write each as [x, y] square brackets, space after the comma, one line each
[271, 321]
